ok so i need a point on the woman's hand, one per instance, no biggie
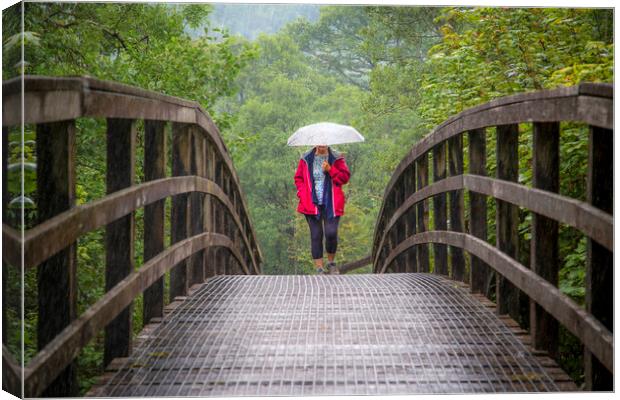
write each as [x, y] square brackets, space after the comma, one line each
[326, 166]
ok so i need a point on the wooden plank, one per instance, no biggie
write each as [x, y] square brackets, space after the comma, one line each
[350, 266]
[599, 267]
[560, 377]
[181, 152]
[57, 276]
[45, 365]
[120, 234]
[544, 248]
[422, 217]
[440, 215]
[155, 156]
[455, 152]
[592, 333]
[507, 216]
[196, 199]
[480, 273]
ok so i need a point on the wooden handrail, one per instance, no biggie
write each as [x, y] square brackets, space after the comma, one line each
[402, 235]
[51, 99]
[202, 172]
[53, 235]
[587, 102]
[353, 265]
[578, 214]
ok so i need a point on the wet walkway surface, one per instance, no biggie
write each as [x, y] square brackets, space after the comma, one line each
[322, 335]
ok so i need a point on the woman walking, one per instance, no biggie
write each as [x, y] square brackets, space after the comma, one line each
[321, 172]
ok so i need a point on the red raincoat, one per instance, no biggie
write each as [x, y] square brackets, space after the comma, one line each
[338, 175]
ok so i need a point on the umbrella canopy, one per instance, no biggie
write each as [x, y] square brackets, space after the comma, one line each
[326, 133]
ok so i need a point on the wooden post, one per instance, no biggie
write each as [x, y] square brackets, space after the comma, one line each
[507, 220]
[219, 216]
[236, 231]
[394, 230]
[544, 245]
[56, 277]
[155, 152]
[196, 266]
[120, 173]
[398, 226]
[439, 209]
[410, 220]
[209, 166]
[481, 274]
[392, 233]
[181, 153]
[229, 224]
[256, 257]
[455, 150]
[226, 225]
[422, 175]
[599, 268]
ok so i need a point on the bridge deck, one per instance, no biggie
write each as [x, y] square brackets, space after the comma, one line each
[313, 335]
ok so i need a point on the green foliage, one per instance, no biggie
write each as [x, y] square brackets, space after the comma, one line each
[487, 53]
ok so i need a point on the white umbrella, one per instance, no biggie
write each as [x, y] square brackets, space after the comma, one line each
[326, 133]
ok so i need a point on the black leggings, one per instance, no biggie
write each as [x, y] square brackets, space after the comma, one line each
[316, 233]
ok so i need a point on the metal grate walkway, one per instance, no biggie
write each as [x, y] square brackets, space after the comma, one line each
[315, 335]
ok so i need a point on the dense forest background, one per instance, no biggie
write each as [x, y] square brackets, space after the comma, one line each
[263, 71]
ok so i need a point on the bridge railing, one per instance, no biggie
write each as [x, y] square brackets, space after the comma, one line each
[210, 227]
[402, 232]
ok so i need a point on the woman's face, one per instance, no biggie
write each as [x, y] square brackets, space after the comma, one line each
[322, 148]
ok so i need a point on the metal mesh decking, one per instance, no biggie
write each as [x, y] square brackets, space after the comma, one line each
[313, 335]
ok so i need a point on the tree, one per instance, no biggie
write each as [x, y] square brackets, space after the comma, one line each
[335, 42]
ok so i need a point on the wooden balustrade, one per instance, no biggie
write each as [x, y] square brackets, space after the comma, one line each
[210, 224]
[591, 104]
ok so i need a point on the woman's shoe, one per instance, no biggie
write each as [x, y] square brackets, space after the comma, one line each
[333, 268]
[320, 271]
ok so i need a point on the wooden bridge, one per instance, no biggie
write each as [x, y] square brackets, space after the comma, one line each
[422, 323]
